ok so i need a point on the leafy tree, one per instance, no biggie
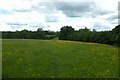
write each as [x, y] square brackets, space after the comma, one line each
[115, 37]
[66, 33]
[40, 34]
[24, 34]
[94, 30]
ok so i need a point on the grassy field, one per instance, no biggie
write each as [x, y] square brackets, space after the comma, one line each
[58, 59]
[0, 58]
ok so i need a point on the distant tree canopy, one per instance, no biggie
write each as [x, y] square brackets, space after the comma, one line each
[68, 33]
[105, 37]
[40, 34]
[115, 35]
[25, 34]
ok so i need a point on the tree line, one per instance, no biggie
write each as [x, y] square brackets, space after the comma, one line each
[25, 34]
[111, 37]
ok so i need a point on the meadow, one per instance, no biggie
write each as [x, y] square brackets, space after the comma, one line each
[58, 59]
[0, 58]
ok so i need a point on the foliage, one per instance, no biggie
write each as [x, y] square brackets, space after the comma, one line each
[68, 33]
[85, 35]
[25, 34]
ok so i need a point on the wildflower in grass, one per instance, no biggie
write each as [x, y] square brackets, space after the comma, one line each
[74, 68]
[20, 59]
[8, 53]
[107, 71]
[33, 75]
[52, 76]
[40, 61]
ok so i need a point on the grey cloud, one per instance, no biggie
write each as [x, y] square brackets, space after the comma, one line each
[112, 17]
[102, 12]
[43, 7]
[16, 25]
[22, 10]
[114, 22]
[81, 9]
[36, 25]
[74, 9]
[100, 26]
[74, 6]
[70, 9]
[19, 25]
[98, 11]
[119, 5]
[51, 18]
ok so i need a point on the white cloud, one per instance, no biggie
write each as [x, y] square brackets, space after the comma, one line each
[36, 13]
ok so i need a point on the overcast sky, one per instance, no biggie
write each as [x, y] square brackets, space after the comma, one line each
[53, 14]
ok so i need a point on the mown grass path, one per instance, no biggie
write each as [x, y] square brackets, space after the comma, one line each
[58, 59]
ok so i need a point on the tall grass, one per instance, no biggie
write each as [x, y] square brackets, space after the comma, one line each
[0, 57]
[58, 59]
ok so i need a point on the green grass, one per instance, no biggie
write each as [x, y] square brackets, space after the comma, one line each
[58, 59]
[56, 38]
[0, 58]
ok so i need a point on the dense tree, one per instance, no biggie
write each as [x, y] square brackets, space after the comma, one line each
[40, 34]
[115, 36]
[94, 30]
[25, 34]
[66, 33]
[85, 35]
